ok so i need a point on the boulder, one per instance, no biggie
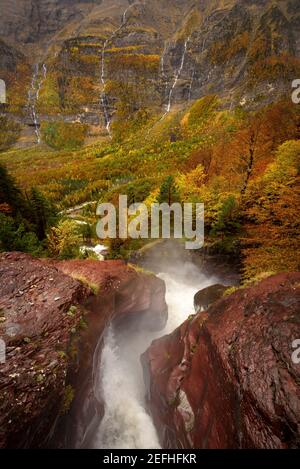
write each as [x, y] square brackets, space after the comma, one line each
[226, 378]
[206, 297]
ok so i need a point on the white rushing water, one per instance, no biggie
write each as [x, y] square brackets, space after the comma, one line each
[97, 250]
[119, 378]
[39, 75]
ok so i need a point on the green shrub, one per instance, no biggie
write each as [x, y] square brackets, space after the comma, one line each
[62, 135]
[9, 133]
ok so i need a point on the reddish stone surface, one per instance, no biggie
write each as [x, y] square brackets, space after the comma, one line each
[42, 308]
[133, 291]
[34, 303]
[226, 379]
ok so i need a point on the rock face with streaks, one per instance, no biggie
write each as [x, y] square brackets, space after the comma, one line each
[51, 324]
[148, 55]
[226, 377]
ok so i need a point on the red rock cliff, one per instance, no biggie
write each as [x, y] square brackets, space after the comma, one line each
[51, 324]
[226, 379]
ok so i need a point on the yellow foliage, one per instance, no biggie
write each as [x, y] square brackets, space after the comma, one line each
[190, 184]
[64, 240]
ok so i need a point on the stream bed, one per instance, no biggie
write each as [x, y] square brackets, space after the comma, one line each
[119, 375]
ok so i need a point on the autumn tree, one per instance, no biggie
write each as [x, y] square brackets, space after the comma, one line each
[190, 184]
[249, 145]
[168, 191]
[272, 219]
[64, 240]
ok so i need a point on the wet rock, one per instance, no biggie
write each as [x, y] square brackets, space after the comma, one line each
[226, 378]
[133, 291]
[206, 297]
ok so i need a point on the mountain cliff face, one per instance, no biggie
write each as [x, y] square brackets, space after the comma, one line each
[30, 21]
[103, 61]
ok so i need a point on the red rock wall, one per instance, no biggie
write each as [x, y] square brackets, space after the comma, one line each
[225, 379]
[42, 308]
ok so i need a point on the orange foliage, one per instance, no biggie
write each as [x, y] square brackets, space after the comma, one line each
[5, 208]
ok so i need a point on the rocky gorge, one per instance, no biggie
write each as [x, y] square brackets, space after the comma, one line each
[223, 379]
[130, 342]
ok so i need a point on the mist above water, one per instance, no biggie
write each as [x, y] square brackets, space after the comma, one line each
[119, 377]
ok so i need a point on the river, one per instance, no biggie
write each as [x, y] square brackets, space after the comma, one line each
[119, 376]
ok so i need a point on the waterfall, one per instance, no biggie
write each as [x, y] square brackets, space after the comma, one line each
[126, 423]
[103, 94]
[118, 377]
[176, 78]
[39, 75]
[104, 98]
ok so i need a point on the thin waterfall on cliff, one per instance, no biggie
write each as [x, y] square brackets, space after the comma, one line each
[119, 377]
[104, 97]
[162, 60]
[176, 77]
[39, 75]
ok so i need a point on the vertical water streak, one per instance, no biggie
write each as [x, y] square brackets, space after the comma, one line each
[162, 59]
[176, 78]
[104, 98]
[39, 75]
[162, 68]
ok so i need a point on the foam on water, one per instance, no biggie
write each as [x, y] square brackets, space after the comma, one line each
[119, 378]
